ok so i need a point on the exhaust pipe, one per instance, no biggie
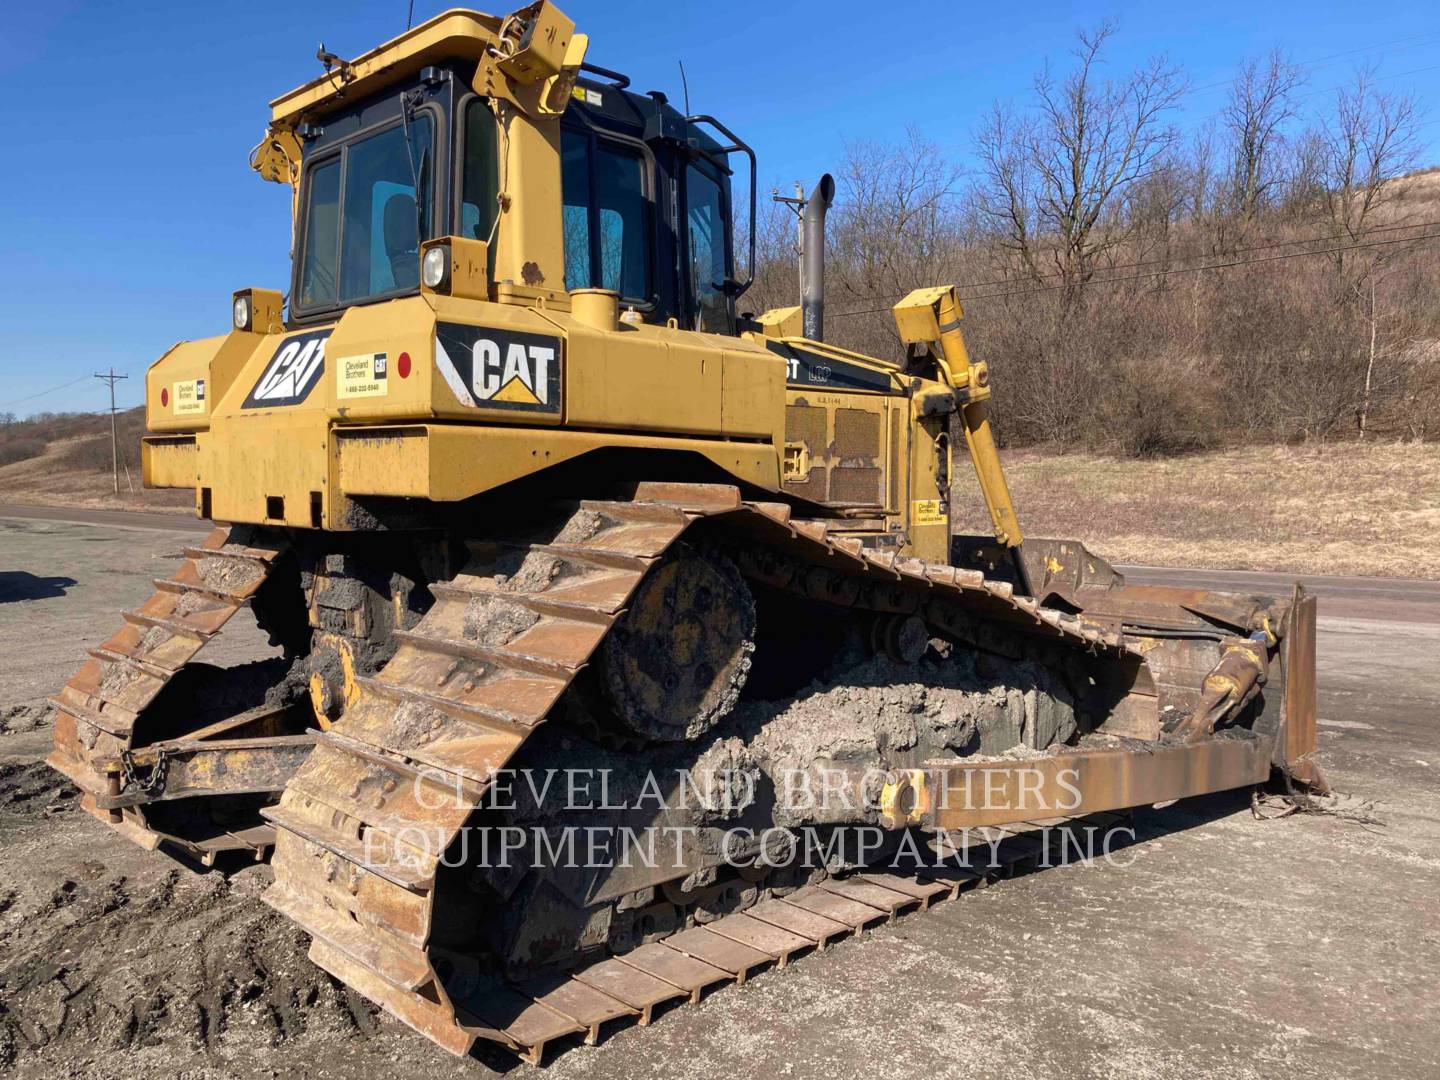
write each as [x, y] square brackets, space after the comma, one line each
[812, 257]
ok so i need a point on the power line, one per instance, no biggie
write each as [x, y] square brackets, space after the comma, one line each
[1237, 251]
[1323, 61]
[42, 393]
[1181, 258]
[1169, 273]
[1377, 78]
[1214, 266]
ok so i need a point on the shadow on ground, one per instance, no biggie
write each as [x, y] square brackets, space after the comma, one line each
[22, 585]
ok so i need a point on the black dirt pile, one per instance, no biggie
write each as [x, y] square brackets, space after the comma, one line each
[30, 789]
[98, 967]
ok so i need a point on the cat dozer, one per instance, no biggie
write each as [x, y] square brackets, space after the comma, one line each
[517, 490]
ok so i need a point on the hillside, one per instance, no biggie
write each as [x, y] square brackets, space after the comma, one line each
[1368, 508]
[63, 459]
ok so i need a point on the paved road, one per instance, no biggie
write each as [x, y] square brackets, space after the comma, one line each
[1385, 599]
[125, 519]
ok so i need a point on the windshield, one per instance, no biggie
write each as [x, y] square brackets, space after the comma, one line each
[362, 223]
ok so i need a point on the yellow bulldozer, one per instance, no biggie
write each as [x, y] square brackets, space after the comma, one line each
[515, 487]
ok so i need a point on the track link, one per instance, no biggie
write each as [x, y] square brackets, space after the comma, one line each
[99, 707]
[364, 823]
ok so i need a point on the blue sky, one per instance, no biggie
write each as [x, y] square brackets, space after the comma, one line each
[128, 214]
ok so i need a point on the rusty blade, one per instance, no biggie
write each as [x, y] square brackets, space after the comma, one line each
[1086, 781]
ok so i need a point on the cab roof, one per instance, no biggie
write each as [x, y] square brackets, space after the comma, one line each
[457, 34]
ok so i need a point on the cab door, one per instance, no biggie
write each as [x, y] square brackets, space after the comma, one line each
[706, 236]
[651, 377]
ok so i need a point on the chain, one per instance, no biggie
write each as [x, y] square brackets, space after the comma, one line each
[148, 782]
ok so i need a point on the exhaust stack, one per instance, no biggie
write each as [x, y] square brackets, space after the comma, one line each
[812, 256]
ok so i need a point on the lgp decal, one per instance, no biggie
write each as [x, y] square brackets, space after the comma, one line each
[500, 369]
[292, 373]
[805, 368]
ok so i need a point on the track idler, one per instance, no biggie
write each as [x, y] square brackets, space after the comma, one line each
[675, 664]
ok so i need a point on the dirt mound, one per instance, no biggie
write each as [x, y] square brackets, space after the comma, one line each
[970, 702]
[192, 962]
[27, 717]
[32, 789]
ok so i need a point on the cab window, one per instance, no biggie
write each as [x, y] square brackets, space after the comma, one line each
[707, 257]
[363, 220]
[606, 216]
[322, 236]
[479, 177]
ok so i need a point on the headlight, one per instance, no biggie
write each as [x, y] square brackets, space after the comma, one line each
[243, 312]
[435, 267]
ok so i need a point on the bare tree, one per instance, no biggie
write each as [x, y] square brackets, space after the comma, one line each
[1006, 193]
[1260, 104]
[776, 259]
[1153, 208]
[893, 215]
[895, 226]
[1203, 195]
[1223, 321]
[1370, 140]
[1303, 195]
[1054, 178]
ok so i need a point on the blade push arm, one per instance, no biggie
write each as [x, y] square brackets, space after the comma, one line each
[932, 317]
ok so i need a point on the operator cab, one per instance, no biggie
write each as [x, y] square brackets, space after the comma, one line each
[646, 197]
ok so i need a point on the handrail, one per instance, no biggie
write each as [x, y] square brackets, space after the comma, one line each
[736, 289]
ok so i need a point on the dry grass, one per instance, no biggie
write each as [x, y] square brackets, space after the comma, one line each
[51, 479]
[63, 459]
[1324, 509]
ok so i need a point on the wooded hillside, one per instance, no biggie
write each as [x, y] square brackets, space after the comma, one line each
[1273, 277]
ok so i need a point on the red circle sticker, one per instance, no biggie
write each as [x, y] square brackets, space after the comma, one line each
[402, 365]
[164, 396]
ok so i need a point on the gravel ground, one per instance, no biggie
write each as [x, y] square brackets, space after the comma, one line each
[1227, 946]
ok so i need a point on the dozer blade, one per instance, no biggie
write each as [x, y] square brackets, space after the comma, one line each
[364, 825]
[104, 706]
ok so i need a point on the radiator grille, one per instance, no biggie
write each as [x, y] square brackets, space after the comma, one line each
[855, 485]
[857, 434]
[806, 423]
[814, 487]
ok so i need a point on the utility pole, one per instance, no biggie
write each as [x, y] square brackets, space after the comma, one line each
[796, 204]
[112, 378]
